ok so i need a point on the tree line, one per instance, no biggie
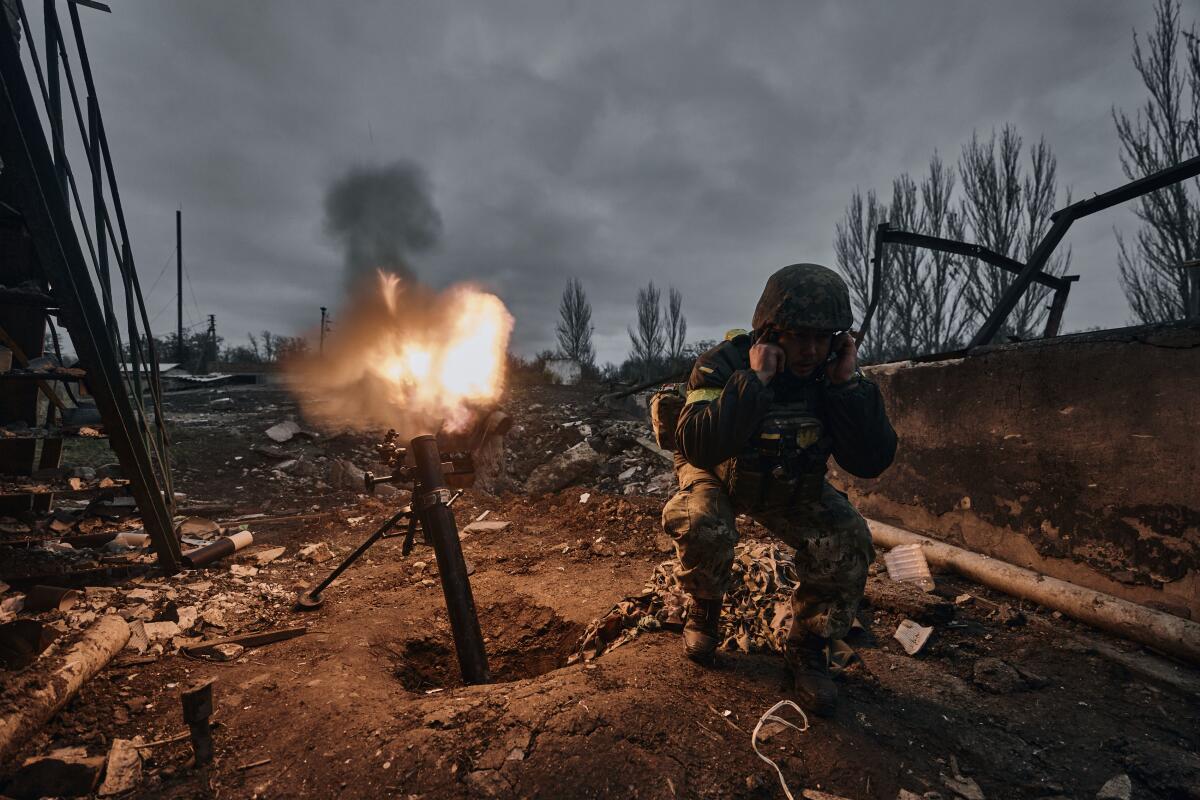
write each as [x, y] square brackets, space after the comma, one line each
[932, 302]
[204, 350]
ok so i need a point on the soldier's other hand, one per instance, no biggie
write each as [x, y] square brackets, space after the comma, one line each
[842, 369]
[766, 359]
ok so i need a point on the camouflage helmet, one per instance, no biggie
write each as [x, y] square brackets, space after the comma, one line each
[804, 296]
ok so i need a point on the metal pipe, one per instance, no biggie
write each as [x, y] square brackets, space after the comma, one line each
[226, 545]
[430, 503]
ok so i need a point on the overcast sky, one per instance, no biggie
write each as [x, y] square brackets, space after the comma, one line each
[700, 145]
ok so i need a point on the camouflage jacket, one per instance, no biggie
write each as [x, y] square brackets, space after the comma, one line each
[728, 408]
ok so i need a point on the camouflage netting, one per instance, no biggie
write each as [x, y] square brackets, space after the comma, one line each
[755, 617]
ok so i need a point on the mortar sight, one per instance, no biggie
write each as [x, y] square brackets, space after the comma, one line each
[458, 465]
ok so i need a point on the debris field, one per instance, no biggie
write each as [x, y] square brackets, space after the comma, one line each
[362, 697]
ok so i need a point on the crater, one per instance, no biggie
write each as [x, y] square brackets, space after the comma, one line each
[522, 640]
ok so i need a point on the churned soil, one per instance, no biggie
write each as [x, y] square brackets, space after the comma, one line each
[369, 703]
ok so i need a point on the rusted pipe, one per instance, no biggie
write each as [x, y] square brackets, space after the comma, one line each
[226, 545]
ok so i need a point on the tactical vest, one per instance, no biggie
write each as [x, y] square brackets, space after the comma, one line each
[784, 463]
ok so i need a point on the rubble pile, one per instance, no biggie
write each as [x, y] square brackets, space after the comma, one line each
[552, 447]
[164, 614]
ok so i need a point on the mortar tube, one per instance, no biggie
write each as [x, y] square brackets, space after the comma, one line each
[438, 521]
[226, 545]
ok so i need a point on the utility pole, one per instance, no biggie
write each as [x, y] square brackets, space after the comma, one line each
[212, 337]
[209, 352]
[324, 323]
[179, 354]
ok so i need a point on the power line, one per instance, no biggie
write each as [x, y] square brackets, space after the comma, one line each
[161, 272]
[191, 289]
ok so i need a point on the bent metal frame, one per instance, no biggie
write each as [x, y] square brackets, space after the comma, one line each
[1031, 271]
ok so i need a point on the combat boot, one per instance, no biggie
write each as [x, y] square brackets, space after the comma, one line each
[814, 687]
[702, 631]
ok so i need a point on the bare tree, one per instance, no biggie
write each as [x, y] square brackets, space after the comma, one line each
[922, 307]
[853, 246]
[1008, 210]
[649, 339]
[270, 344]
[676, 326]
[942, 315]
[1163, 133]
[574, 327]
[905, 267]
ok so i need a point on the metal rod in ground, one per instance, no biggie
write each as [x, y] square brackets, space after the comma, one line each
[197, 708]
[438, 520]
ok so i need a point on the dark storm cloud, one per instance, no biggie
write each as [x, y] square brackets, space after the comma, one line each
[700, 145]
[382, 216]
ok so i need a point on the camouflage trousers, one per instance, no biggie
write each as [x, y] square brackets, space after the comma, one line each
[832, 542]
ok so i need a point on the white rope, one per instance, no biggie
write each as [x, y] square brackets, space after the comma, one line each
[769, 716]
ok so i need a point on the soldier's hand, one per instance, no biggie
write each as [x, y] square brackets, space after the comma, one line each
[766, 359]
[843, 368]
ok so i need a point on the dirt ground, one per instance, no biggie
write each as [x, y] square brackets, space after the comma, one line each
[368, 703]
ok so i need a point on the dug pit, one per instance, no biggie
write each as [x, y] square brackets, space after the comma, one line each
[523, 640]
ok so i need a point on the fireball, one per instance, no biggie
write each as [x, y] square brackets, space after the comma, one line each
[407, 358]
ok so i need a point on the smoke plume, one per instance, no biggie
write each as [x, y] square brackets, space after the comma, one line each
[381, 216]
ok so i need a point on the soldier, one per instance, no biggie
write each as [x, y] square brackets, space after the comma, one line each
[763, 413]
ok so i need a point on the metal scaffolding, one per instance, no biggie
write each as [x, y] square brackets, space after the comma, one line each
[39, 188]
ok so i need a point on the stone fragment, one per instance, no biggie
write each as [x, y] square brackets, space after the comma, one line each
[226, 652]
[317, 553]
[265, 557]
[221, 402]
[487, 526]
[187, 616]
[283, 432]
[1118, 787]
[124, 770]
[160, 631]
[564, 469]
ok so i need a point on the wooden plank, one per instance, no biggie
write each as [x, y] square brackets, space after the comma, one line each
[248, 639]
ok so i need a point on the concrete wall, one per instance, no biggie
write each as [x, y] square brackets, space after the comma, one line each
[1077, 456]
